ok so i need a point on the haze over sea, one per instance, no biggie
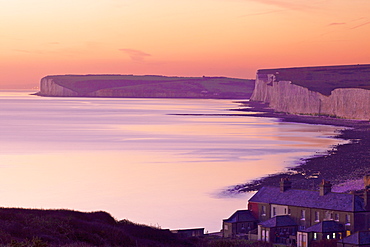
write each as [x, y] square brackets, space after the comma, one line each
[133, 159]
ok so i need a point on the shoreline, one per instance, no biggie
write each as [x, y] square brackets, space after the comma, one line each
[342, 163]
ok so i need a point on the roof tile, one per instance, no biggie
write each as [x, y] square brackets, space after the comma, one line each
[241, 215]
[279, 221]
[326, 227]
[309, 199]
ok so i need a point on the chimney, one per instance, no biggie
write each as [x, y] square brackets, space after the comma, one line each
[285, 184]
[325, 187]
[367, 192]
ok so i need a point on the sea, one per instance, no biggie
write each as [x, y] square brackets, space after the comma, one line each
[161, 162]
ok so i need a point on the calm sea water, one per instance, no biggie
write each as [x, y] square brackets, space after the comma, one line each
[133, 159]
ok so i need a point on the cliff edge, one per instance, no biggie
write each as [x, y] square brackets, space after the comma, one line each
[336, 91]
[148, 86]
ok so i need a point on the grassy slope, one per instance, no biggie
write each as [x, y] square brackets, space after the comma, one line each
[326, 78]
[229, 87]
[33, 227]
[48, 228]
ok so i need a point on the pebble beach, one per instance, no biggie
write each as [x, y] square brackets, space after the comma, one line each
[344, 165]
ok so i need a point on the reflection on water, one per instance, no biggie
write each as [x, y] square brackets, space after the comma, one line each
[131, 158]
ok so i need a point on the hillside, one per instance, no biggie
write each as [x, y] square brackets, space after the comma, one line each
[148, 86]
[324, 79]
[35, 227]
[21, 227]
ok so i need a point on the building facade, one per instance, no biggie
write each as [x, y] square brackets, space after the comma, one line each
[358, 239]
[240, 224]
[316, 215]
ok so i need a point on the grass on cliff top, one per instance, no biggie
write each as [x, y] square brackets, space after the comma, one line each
[84, 84]
[91, 83]
[220, 87]
[324, 79]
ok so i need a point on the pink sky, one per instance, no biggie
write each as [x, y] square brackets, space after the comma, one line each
[230, 38]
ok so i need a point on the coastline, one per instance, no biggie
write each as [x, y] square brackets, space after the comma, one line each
[342, 163]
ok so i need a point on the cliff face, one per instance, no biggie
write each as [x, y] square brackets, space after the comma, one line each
[285, 96]
[49, 87]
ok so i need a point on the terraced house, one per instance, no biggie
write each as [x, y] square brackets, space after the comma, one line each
[298, 217]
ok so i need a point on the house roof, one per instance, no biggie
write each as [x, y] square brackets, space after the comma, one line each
[309, 199]
[240, 216]
[278, 221]
[357, 238]
[326, 227]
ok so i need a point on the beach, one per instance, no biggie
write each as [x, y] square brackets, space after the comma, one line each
[344, 165]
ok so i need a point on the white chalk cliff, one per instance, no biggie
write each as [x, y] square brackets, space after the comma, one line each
[284, 96]
[50, 88]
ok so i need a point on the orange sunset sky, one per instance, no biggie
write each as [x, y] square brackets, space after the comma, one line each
[230, 38]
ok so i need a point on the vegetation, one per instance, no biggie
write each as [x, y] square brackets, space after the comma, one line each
[48, 228]
[155, 86]
[236, 243]
[325, 79]
[41, 228]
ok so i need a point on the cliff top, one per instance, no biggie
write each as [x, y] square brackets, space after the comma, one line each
[207, 87]
[324, 79]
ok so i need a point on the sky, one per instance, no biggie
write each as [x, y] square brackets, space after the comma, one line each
[230, 38]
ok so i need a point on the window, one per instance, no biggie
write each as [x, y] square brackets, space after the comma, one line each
[348, 232]
[348, 219]
[336, 217]
[317, 216]
[303, 214]
[314, 236]
[273, 211]
[334, 236]
[226, 227]
[289, 211]
[263, 211]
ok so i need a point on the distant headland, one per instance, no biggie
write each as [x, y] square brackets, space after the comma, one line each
[146, 86]
[335, 91]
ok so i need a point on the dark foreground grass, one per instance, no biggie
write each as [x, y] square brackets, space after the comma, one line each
[67, 228]
[33, 227]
